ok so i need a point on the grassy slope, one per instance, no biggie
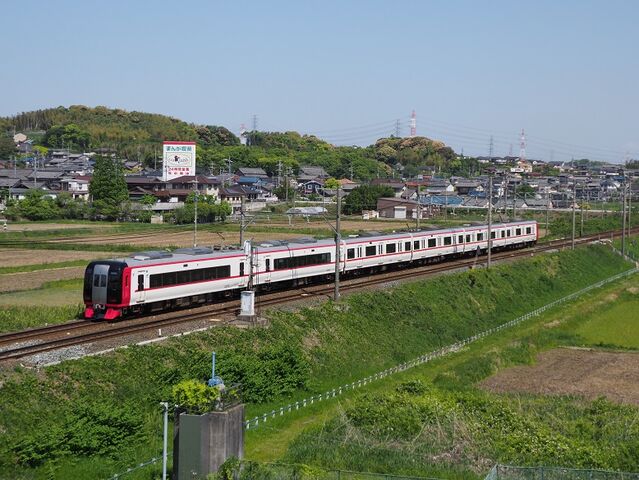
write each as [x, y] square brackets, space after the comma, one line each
[301, 352]
[473, 429]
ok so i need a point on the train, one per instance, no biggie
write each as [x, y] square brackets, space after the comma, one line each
[162, 280]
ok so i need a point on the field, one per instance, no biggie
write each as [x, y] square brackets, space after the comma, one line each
[586, 373]
[15, 257]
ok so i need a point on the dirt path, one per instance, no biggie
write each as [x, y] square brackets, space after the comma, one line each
[565, 371]
[13, 282]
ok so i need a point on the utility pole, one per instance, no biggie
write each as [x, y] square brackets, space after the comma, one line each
[547, 209]
[242, 220]
[574, 200]
[581, 210]
[419, 206]
[165, 438]
[338, 241]
[490, 219]
[195, 213]
[279, 172]
[623, 222]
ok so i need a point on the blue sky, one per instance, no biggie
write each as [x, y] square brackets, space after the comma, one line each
[566, 71]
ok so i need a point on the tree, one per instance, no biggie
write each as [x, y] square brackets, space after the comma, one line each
[108, 189]
[7, 147]
[38, 206]
[282, 193]
[331, 183]
[365, 198]
[67, 136]
[148, 200]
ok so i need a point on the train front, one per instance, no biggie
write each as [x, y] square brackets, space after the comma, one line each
[103, 289]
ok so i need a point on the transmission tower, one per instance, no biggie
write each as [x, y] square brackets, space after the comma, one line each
[490, 149]
[413, 124]
[522, 146]
[398, 131]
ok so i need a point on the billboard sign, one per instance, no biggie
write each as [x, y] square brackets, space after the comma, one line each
[178, 159]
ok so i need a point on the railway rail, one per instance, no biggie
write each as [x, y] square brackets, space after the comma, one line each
[16, 345]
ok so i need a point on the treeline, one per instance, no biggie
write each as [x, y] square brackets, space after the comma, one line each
[138, 136]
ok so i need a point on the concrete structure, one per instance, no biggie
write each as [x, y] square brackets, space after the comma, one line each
[202, 443]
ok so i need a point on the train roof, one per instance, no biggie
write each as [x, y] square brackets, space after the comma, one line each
[155, 257]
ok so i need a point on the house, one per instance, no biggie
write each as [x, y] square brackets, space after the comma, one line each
[347, 185]
[311, 187]
[464, 187]
[311, 173]
[251, 172]
[539, 203]
[78, 188]
[396, 185]
[398, 208]
[237, 194]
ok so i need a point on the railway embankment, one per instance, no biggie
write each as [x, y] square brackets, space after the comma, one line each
[96, 415]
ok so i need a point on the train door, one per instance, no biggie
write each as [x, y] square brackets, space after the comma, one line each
[99, 291]
[140, 286]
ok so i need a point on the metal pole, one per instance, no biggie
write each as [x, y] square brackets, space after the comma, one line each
[195, 215]
[547, 209]
[574, 200]
[165, 439]
[581, 208]
[338, 241]
[623, 221]
[490, 219]
[419, 206]
[242, 221]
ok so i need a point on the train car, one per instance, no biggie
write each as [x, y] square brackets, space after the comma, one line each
[160, 280]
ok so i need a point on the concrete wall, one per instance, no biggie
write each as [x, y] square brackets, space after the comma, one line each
[201, 443]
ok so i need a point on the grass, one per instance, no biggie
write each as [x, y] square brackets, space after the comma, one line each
[615, 325]
[373, 431]
[42, 266]
[301, 353]
[58, 293]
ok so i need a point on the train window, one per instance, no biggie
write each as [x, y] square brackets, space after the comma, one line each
[184, 277]
[416, 245]
[242, 269]
[169, 278]
[350, 253]
[371, 251]
[528, 230]
[432, 242]
[468, 239]
[503, 233]
[391, 248]
[492, 234]
[508, 232]
[518, 231]
[407, 246]
[96, 280]
[197, 275]
[448, 240]
[140, 283]
[460, 239]
[480, 236]
[268, 264]
[301, 261]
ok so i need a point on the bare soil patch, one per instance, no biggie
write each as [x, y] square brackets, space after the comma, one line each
[14, 282]
[587, 373]
[13, 257]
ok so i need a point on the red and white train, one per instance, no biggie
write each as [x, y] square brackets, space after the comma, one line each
[159, 280]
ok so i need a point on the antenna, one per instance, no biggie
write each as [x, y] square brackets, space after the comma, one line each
[398, 131]
[413, 124]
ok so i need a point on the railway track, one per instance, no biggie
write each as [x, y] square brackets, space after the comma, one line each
[53, 337]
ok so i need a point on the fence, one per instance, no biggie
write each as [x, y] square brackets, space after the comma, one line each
[509, 472]
[258, 420]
